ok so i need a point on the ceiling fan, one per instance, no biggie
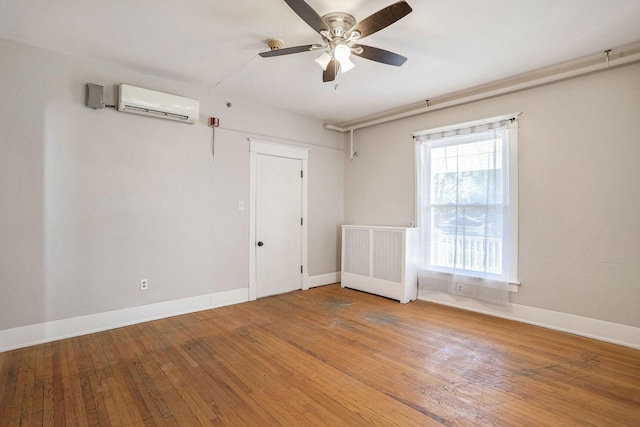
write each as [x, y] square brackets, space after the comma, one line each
[340, 35]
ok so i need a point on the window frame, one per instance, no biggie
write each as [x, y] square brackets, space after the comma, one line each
[511, 210]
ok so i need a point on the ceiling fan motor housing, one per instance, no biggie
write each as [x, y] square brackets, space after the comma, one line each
[340, 23]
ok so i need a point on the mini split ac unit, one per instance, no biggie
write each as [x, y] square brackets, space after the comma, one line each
[157, 104]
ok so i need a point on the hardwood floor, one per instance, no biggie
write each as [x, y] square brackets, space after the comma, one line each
[327, 356]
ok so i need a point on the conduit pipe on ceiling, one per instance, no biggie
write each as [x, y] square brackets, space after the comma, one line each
[433, 105]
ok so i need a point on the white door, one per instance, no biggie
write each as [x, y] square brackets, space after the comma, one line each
[278, 228]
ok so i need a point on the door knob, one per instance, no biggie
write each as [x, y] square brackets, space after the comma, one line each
[260, 243]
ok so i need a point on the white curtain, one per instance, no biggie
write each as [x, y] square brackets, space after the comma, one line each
[467, 210]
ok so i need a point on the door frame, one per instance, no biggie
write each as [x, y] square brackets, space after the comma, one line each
[256, 148]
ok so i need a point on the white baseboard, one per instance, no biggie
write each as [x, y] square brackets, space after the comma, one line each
[321, 280]
[615, 333]
[25, 336]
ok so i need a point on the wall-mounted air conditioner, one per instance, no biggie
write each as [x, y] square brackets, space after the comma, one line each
[137, 100]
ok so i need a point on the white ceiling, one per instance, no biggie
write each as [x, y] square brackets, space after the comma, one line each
[451, 44]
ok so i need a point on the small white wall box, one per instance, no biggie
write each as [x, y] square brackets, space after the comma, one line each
[380, 260]
[162, 105]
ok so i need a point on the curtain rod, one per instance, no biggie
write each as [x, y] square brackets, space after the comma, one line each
[512, 117]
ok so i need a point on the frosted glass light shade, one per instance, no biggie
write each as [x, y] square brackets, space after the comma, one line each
[323, 60]
[346, 65]
[342, 52]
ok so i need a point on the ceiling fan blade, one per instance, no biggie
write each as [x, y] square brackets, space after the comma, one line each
[380, 55]
[330, 73]
[287, 51]
[308, 15]
[382, 18]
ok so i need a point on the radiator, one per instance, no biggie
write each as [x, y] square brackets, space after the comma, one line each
[380, 260]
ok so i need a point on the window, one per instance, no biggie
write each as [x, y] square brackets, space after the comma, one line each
[467, 200]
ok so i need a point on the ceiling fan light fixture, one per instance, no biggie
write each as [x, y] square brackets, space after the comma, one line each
[323, 60]
[346, 65]
[342, 52]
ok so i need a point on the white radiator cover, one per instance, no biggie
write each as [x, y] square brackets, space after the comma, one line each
[380, 260]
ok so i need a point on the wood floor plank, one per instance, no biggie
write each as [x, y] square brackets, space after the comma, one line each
[38, 390]
[102, 409]
[12, 398]
[28, 371]
[327, 356]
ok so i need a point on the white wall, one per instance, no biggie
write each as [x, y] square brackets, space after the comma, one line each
[248, 119]
[92, 201]
[579, 189]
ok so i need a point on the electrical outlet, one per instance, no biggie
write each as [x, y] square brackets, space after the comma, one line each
[144, 284]
[459, 287]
